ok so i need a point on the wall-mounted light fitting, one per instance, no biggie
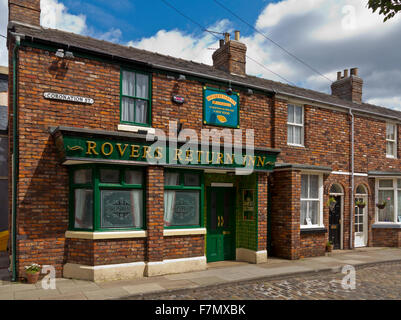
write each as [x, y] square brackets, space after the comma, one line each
[182, 77]
[67, 54]
[229, 91]
[250, 91]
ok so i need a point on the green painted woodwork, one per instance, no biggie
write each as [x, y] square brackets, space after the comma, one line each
[221, 224]
[87, 148]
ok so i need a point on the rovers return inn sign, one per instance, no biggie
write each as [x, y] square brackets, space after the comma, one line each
[75, 149]
[220, 108]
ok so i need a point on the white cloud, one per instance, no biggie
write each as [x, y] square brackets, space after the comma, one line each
[55, 15]
[178, 44]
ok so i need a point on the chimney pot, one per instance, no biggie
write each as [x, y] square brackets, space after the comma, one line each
[221, 42]
[346, 73]
[354, 72]
[237, 35]
[339, 75]
[227, 37]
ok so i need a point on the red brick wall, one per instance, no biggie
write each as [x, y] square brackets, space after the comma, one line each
[155, 213]
[178, 247]
[386, 237]
[285, 214]
[312, 245]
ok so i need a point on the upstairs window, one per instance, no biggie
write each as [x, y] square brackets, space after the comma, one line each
[391, 140]
[295, 125]
[135, 98]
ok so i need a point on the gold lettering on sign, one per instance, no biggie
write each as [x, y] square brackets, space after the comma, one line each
[91, 147]
[121, 151]
[134, 151]
[178, 154]
[104, 147]
[219, 159]
[158, 153]
[199, 156]
[228, 159]
[189, 156]
[146, 154]
[260, 161]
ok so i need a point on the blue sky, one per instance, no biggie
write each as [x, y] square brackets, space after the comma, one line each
[138, 19]
[330, 35]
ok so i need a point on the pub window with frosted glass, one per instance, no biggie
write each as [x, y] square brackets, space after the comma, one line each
[182, 199]
[135, 98]
[107, 198]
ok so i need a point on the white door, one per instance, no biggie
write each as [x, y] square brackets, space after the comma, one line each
[361, 226]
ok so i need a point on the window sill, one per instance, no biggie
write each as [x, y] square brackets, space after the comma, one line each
[105, 235]
[183, 232]
[314, 230]
[296, 145]
[391, 157]
[386, 225]
[136, 129]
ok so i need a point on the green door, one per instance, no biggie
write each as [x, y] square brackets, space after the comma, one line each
[220, 240]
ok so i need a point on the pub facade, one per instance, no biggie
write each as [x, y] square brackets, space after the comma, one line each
[126, 163]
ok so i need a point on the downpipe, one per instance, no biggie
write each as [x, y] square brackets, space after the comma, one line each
[14, 162]
[351, 206]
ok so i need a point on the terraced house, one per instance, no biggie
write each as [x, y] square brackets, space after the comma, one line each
[91, 195]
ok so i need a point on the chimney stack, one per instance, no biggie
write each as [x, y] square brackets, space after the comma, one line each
[348, 87]
[24, 11]
[231, 56]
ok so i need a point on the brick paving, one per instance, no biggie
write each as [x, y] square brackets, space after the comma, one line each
[380, 282]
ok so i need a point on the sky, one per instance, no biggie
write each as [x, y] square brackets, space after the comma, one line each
[328, 35]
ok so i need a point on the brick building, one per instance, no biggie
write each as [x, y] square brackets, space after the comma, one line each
[94, 196]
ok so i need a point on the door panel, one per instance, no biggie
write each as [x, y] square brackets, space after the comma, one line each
[220, 241]
[335, 223]
[360, 222]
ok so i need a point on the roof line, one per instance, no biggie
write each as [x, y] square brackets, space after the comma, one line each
[216, 78]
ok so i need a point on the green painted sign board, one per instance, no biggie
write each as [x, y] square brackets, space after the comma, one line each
[220, 109]
[83, 148]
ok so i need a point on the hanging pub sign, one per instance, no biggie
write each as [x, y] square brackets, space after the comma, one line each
[220, 108]
[67, 97]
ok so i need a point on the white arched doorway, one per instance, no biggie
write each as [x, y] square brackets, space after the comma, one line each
[361, 217]
[336, 205]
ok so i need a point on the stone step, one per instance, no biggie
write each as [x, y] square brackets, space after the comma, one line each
[4, 262]
[4, 274]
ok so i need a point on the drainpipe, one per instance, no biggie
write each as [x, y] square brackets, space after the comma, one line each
[14, 162]
[351, 207]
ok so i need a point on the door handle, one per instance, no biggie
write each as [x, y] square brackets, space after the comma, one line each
[222, 221]
[218, 221]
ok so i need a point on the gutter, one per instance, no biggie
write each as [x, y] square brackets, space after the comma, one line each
[351, 207]
[14, 160]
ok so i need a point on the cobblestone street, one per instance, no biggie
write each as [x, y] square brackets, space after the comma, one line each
[377, 283]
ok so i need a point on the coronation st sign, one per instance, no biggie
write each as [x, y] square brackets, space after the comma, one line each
[159, 153]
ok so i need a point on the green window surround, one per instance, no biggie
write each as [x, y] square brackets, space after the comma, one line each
[183, 199]
[135, 97]
[107, 198]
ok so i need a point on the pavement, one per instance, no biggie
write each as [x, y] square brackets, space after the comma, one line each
[218, 273]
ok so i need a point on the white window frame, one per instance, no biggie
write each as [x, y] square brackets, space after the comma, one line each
[395, 190]
[294, 124]
[320, 199]
[394, 125]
